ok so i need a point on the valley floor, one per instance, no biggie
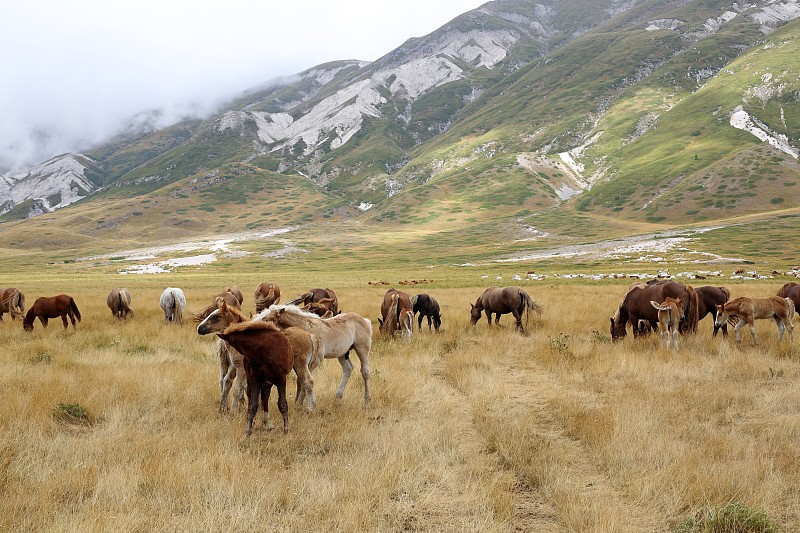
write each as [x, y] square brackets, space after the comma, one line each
[114, 426]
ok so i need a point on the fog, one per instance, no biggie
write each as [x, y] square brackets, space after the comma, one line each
[77, 72]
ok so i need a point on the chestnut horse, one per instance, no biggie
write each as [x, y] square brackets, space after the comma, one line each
[233, 289]
[746, 310]
[119, 301]
[669, 317]
[392, 308]
[268, 358]
[316, 295]
[428, 307]
[708, 298]
[635, 306]
[266, 295]
[791, 290]
[52, 307]
[504, 300]
[12, 301]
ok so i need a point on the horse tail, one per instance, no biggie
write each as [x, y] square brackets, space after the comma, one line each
[391, 319]
[693, 310]
[414, 300]
[528, 305]
[790, 311]
[74, 309]
[178, 309]
[16, 309]
[726, 292]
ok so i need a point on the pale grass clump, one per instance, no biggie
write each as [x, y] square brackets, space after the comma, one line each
[471, 429]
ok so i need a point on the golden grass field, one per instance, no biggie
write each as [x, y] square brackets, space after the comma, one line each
[471, 429]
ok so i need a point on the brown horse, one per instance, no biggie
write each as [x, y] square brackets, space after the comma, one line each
[226, 296]
[746, 310]
[268, 358]
[12, 301]
[791, 290]
[427, 307]
[233, 289]
[266, 295]
[322, 308]
[316, 295]
[392, 307]
[635, 306]
[52, 307]
[669, 317]
[708, 298]
[119, 301]
[504, 300]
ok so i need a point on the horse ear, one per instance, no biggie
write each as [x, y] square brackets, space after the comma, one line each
[281, 311]
[472, 306]
[380, 322]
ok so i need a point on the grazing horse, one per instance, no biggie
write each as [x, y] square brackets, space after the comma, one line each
[173, 302]
[747, 310]
[635, 306]
[337, 336]
[394, 304]
[266, 295]
[669, 317]
[406, 324]
[322, 308]
[12, 301]
[119, 301]
[268, 358]
[428, 307]
[52, 307]
[228, 297]
[791, 290]
[231, 365]
[504, 300]
[233, 289]
[708, 298]
[315, 296]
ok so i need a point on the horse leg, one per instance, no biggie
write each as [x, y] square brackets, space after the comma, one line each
[305, 384]
[252, 406]
[675, 336]
[239, 377]
[363, 357]
[752, 327]
[283, 405]
[265, 404]
[518, 318]
[736, 329]
[419, 322]
[226, 373]
[347, 368]
[779, 323]
[44, 320]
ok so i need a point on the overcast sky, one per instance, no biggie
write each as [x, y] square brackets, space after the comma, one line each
[72, 72]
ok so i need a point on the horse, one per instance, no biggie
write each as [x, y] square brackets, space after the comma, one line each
[708, 298]
[635, 306]
[669, 317]
[791, 290]
[393, 304]
[233, 289]
[226, 296]
[337, 336]
[504, 300]
[231, 365]
[173, 302]
[119, 301]
[320, 308]
[747, 310]
[52, 307]
[266, 295]
[268, 358]
[406, 324]
[428, 307]
[315, 296]
[12, 301]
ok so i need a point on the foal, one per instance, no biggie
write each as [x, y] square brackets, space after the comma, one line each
[669, 317]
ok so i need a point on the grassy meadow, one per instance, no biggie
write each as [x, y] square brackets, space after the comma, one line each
[114, 426]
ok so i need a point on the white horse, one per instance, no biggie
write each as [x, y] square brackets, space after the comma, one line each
[337, 336]
[173, 302]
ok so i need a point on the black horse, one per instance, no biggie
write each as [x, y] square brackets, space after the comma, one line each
[427, 306]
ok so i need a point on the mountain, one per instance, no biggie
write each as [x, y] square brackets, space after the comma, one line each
[519, 112]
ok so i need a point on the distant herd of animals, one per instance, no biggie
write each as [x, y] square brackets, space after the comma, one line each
[258, 352]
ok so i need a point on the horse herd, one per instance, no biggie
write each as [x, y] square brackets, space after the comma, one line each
[255, 353]
[671, 307]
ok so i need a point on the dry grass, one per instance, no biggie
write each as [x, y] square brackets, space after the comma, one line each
[470, 429]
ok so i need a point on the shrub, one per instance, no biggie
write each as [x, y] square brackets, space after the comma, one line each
[72, 413]
[733, 518]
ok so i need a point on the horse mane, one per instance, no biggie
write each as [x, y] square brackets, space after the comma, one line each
[414, 300]
[289, 308]
[251, 325]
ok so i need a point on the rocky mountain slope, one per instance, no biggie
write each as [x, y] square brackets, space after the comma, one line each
[645, 110]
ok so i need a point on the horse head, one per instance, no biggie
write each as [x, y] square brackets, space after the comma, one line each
[722, 315]
[618, 330]
[474, 314]
[220, 318]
